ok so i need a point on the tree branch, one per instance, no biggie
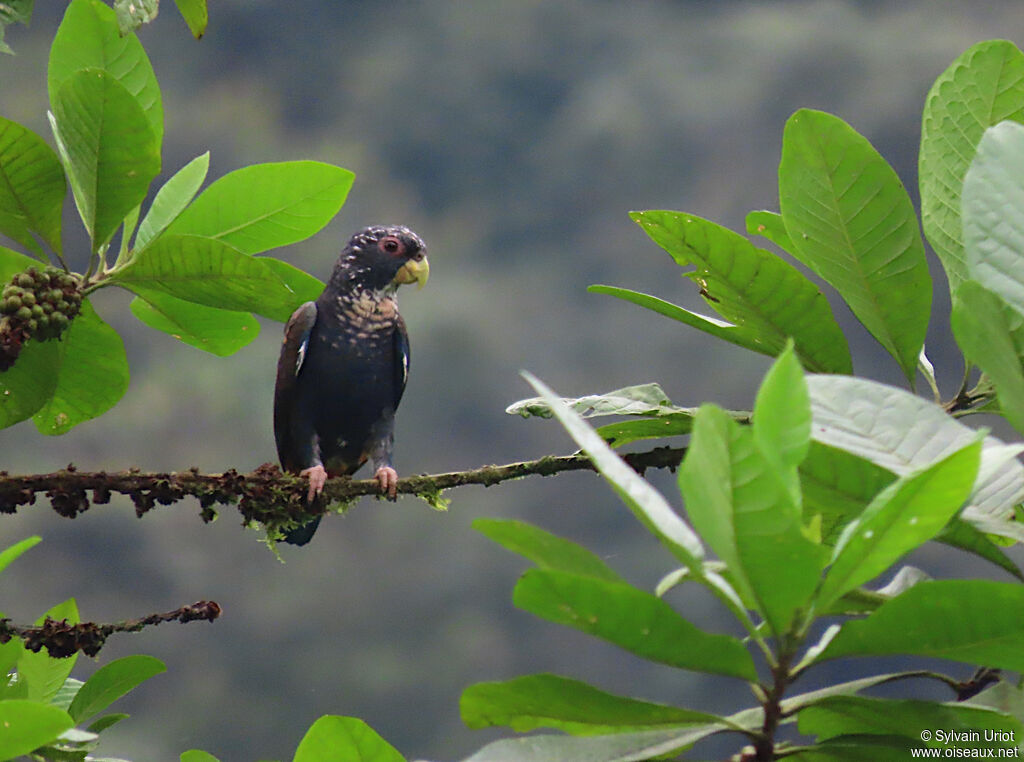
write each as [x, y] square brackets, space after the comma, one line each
[269, 496]
[62, 639]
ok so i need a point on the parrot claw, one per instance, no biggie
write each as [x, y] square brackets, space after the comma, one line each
[387, 477]
[317, 476]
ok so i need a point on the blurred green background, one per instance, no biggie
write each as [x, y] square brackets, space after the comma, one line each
[514, 137]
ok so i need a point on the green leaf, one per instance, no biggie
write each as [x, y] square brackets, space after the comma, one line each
[106, 721]
[646, 503]
[8, 555]
[771, 226]
[63, 697]
[219, 332]
[110, 151]
[903, 433]
[619, 747]
[971, 621]
[344, 739]
[991, 336]
[112, 681]
[93, 374]
[26, 387]
[766, 298]
[32, 187]
[857, 748]
[267, 205]
[846, 715]
[624, 432]
[745, 510]
[551, 701]
[131, 14]
[981, 88]
[734, 334]
[194, 13]
[782, 414]
[993, 226]
[28, 725]
[197, 755]
[89, 38]
[45, 674]
[907, 513]
[206, 271]
[851, 221]
[959, 534]
[632, 619]
[172, 198]
[642, 399]
[838, 485]
[546, 550]
[304, 287]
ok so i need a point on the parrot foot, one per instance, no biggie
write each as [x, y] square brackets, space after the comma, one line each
[387, 477]
[317, 476]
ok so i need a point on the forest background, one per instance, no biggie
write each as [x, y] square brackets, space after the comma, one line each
[514, 137]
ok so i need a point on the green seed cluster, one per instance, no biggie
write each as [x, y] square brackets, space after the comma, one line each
[36, 304]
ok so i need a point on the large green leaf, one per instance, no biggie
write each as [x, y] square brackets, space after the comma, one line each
[632, 619]
[207, 271]
[972, 621]
[109, 148]
[172, 198]
[219, 332]
[43, 673]
[546, 550]
[93, 374]
[993, 222]
[267, 205]
[745, 510]
[981, 88]
[551, 701]
[110, 682]
[851, 221]
[767, 299]
[32, 187]
[646, 503]
[844, 715]
[27, 725]
[304, 287]
[344, 739]
[89, 38]
[618, 747]
[903, 433]
[991, 335]
[907, 513]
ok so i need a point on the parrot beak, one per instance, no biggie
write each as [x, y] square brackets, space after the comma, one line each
[414, 271]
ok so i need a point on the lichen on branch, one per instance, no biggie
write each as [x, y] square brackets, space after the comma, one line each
[268, 495]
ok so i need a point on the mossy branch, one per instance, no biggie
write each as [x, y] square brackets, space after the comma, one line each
[62, 639]
[268, 495]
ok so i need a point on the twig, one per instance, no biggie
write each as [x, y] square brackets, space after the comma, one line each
[267, 495]
[62, 639]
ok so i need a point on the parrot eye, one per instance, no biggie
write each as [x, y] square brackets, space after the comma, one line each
[391, 245]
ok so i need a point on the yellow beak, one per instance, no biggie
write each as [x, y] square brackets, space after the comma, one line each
[414, 271]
